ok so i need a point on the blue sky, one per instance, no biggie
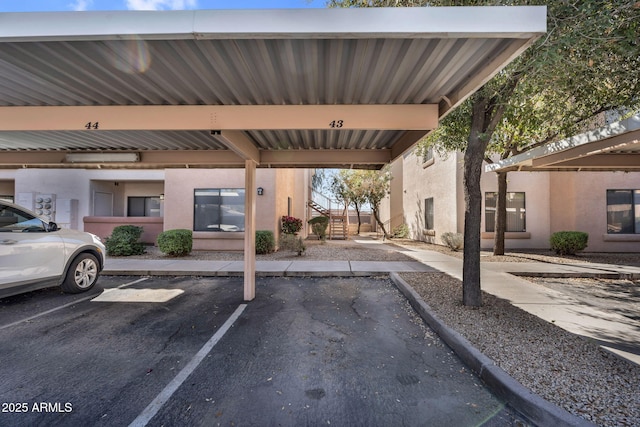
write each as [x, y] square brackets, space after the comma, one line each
[70, 5]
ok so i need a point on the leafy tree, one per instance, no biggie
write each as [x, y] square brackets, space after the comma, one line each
[318, 179]
[347, 185]
[376, 186]
[586, 64]
[359, 187]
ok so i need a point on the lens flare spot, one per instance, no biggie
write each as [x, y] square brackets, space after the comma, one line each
[129, 56]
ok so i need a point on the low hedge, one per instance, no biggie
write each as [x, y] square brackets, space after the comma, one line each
[319, 226]
[265, 242]
[178, 242]
[124, 241]
[455, 241]
[568, 242]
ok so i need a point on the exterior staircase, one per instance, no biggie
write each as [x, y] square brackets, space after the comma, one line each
[338, 226]
[319, 208]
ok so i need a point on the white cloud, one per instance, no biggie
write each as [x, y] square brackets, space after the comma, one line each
[80, 5]
[161, 4]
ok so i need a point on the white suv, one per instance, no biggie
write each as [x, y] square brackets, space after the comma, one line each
[35, 253]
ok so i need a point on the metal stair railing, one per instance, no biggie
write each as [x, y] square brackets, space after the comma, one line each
[332, 209]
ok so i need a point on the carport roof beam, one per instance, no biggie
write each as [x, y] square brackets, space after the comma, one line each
[220, 117]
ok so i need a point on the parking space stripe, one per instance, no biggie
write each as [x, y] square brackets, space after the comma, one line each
[44, 313]
[153, 408]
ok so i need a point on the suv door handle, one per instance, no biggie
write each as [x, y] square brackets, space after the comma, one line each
[8, 242]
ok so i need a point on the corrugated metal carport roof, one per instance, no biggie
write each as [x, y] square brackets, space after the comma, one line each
[159, 83]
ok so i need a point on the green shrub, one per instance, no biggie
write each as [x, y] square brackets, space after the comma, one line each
[455, 241]
[319, 226]
[124, 241]
[177, 242]
[568, 242]
[400, 232]
[290, 224]
[265, 242]
[292, 243]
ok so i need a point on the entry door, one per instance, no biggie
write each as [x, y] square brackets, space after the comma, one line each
[102, 204]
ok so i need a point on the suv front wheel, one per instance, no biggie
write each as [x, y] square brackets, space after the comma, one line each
[82, 274]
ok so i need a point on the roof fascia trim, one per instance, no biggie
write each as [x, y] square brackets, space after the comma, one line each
[602, 134]
[519, 22]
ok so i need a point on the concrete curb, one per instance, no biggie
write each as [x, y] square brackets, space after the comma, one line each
[228, 273]
[530, 405]
[566, 275]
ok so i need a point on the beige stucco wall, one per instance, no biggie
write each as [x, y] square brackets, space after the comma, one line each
[278, 185]
[294, 184]
[178, 187]
[395, 200]
[438, 180]
[586, 194]
[536, 186]
[554, 201]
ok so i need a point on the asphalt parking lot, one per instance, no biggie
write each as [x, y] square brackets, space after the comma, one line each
[306, 351]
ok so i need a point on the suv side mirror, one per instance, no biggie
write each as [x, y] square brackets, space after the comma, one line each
[52, 226]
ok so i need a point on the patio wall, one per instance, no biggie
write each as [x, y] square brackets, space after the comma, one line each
[103, 226]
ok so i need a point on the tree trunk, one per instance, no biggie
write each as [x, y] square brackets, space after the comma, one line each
[357, 207]
[501, 214]
[473, 159]
[375, 215]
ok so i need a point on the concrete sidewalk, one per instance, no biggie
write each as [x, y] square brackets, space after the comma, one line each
[614, 332]
[121, 266]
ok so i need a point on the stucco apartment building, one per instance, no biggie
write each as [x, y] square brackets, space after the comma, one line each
[427, 194]
[208, 201]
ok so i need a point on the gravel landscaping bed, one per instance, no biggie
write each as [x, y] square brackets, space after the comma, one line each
[565, 369]
[315, 251]
[529, 255]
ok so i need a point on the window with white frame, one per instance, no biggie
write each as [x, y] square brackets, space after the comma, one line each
[516, 213]
[623, 211]
[218, 209]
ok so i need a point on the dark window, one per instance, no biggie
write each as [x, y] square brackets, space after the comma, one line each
[623, 211]
[219, 209]
[143, 206]
[428, 213]
[516, 216]
[289, 206]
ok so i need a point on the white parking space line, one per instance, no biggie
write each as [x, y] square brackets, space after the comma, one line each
[44, 313]
[162, 398]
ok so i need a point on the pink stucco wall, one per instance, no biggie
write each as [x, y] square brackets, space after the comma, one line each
[102, 226]
[278, 185]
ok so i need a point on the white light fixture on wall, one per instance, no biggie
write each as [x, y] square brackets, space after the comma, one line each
[102, 157]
